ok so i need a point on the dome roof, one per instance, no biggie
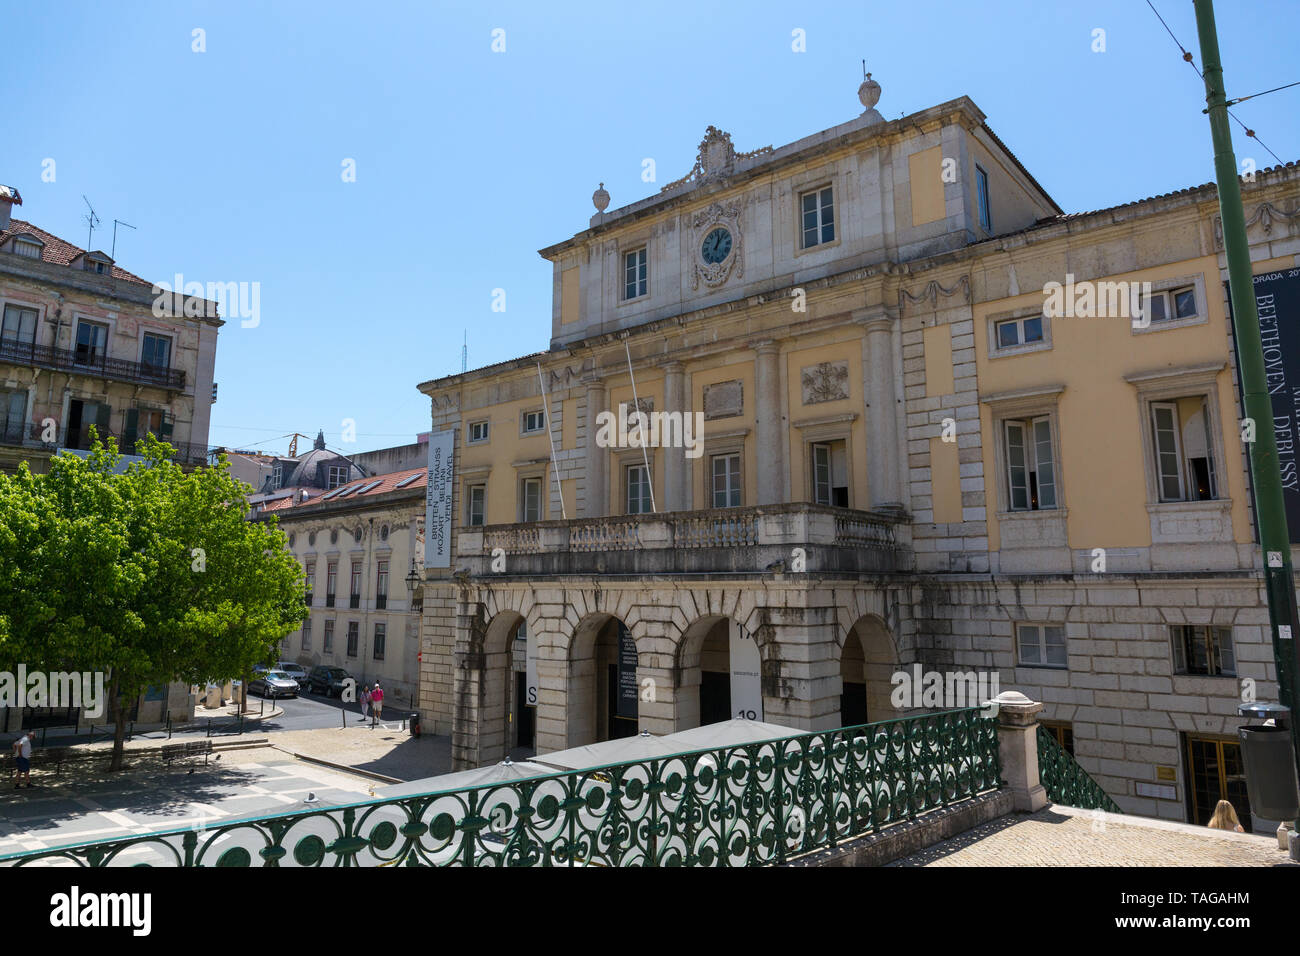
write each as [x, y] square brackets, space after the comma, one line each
[311, 472]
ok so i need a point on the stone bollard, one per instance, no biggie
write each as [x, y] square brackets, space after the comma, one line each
[1018, 749]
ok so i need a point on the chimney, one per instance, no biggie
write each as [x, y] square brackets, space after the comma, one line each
[8, 199]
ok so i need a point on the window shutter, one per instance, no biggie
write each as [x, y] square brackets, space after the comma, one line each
[103, 414]
[1017, 474]
[1209, 449]
[129, 433]
[1046, 471]
[165, 430]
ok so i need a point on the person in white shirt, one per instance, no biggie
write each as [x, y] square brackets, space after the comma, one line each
[23, 760]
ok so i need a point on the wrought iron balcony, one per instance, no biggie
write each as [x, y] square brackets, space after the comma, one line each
[95, 363]
[765, 538]
[29, 435]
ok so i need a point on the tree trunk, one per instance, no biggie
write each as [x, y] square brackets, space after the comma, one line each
[119, 725]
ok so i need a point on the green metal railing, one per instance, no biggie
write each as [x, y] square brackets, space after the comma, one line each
[747, 805]
[1065, 781]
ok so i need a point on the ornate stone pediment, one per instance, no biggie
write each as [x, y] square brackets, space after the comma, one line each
[715, 160]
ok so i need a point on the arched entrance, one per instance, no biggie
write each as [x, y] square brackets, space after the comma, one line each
[496, 711]
[719, 668]
[603, 691]
[868, 661]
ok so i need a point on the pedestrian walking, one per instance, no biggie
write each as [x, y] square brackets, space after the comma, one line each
[365, 702]
[377, 701]
[1225, 818]
[23, 760]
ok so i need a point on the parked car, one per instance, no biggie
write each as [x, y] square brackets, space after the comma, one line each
[296, 671]
[274, 684]
[327, 680]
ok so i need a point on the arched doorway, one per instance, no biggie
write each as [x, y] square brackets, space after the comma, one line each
[496, 717]
[603, 689]
[719, 667]
[868, 661]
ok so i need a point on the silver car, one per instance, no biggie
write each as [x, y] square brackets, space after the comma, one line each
[274, 684]
[296, 671]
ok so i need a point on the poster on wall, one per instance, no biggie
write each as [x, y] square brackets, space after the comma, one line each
[627, 685]
[437, 505]
[746, 676]
[1277, 297]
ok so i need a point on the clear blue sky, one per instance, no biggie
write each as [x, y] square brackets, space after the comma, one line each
[469, 161]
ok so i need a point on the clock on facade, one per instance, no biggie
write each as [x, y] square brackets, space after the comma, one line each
[716, 247]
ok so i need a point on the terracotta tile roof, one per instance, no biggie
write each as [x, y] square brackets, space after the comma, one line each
[382, 484]
[58, 251]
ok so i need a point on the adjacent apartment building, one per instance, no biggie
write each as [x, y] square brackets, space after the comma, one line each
[890, 440]
[83, 345]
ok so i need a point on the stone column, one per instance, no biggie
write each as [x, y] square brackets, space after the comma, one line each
[597, 498]
[770, 446]
[883, 448]
[1018, 750]
[674, 457]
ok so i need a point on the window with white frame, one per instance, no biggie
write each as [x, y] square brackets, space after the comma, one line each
[1010, 333]
[1206, 651]
[335, 476]
[534, 421]
[530, 499]
[1041, 645]
[817, 207]
[635, 282]
[830, 473]
[306, 634]
[982, 195]
[1031, 463]
[19, 326]
[478, 431]
[637, 482]
[277, 476]
[726, 480]
[1183, 450]
[1172, 304]
[476, 505]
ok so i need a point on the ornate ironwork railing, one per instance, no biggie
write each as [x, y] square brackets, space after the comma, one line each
[91, 363]
[752, 804]
[1065, 781]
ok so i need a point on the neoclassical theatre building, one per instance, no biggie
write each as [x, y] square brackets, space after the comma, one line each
[873, 444]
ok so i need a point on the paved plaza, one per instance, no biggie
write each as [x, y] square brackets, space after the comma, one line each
[1064, 836]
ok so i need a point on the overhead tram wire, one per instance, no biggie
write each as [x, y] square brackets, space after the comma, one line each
[1192, 63]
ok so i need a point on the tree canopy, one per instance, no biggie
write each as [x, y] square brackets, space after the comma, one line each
[150, 575]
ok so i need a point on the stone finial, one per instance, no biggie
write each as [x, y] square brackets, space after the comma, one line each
[869, 93]
[600, 198]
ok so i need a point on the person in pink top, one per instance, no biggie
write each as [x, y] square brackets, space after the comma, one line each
[377, 701]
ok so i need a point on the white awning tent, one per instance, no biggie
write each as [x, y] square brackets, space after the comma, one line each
[504, 772]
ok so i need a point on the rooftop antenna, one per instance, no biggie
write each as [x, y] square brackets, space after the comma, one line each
[117, 222]
[464, 353]
[91, 220]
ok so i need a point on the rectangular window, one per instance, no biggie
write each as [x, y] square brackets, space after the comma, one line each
[1183, 450]
[329, 637]
[311, 580]
[818, 209]
[156, 351]
[726, 481]
[638, 490]
[1169, 304]
[1023, 331]
[1031, 471]
[277, 477]
[306, 634]
[92, 342]
[381, 585]
[381, 633]
[1041, 645]
[30, 250]
[478, 431]
[13, 415]
[530, 499]
[336, 476]
[19, 326]
[1203, 650]
[982, 194]
[830, 474]
[1063, 733]
[634, 274]
[331, 581]
[477, 501]
[354, 633]
[534, 421]
[355, 585]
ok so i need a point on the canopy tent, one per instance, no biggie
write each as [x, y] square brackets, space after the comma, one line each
[467, 779]
[643, 746]
[729, 733]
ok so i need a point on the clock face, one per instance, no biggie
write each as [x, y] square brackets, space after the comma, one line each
[717, 246]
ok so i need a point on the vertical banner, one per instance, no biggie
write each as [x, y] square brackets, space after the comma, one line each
[530, 666]
[437, 505]
[627, 684]
[746, 675]
[1277, 297]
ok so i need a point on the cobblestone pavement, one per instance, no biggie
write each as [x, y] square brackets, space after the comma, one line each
[1063, 836]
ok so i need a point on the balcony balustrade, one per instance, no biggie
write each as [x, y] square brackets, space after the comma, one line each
[95, 363]
[724, 540]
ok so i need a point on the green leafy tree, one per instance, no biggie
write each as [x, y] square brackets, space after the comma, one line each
[149, 576]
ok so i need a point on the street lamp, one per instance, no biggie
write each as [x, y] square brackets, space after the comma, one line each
[413, 580]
